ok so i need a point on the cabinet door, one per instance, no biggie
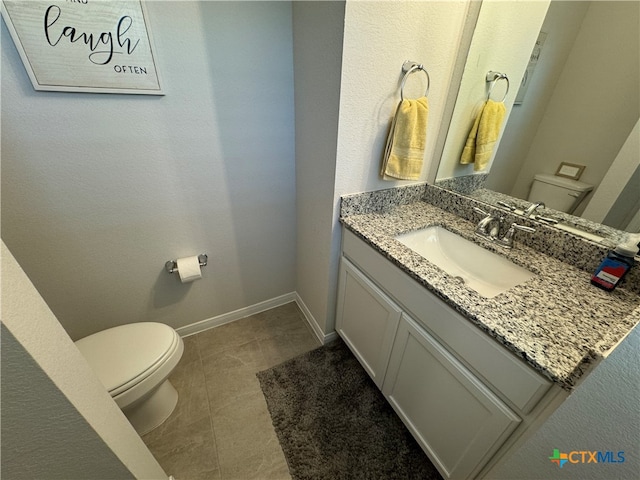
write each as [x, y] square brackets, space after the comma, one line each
[456, 419]
[366, 320]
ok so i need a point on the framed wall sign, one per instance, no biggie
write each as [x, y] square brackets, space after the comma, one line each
[84, 45]
[570, 170]
[531, 67]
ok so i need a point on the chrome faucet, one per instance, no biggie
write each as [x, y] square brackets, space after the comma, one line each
[489, 226]
[489, 229]
[507, 240]
[532, 209]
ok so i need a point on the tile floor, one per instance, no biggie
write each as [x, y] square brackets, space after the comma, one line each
[221, 428]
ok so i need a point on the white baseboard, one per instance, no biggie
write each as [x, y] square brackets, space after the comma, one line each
[203, 325]
[320, 335]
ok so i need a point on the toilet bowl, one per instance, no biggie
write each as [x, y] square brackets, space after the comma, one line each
[133, 362]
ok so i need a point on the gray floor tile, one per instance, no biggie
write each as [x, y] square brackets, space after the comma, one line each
[188, 452]
[247, 444]
[221, 428]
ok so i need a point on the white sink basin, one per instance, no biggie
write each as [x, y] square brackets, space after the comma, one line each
[485, 272]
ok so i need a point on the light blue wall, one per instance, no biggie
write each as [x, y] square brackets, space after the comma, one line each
[100, 190]
[317, 40]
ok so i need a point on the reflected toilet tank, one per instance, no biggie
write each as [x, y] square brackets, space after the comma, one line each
[559, 193]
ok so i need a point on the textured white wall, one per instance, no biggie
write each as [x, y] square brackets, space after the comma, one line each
[99, 191]
[317, 46]
[504, 30]
[61, 390]
[378, 38]
[603, 414]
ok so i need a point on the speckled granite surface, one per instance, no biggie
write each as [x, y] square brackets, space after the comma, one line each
[558, 322]
[466, 184]
[561, 245]
[473, 186]
[380, 200]
[612, 235]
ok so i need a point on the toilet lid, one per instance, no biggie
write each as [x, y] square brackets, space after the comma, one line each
[128, 353]
[563, 182]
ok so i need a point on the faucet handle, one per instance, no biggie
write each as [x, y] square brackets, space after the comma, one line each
[524, 228]
[547, 220]
[510, 206]
[530, 212]
[481, 212]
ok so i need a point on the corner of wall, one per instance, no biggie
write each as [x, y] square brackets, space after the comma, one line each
[36, 330]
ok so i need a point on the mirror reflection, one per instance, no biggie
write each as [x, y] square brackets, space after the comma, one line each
[572, 136]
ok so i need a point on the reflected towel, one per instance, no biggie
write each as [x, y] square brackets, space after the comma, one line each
[483, 135]
[404, 151]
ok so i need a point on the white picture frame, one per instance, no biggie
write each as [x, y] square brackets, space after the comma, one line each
[85, 45]
[570, 170]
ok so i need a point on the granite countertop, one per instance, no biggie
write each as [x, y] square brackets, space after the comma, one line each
[557, 321]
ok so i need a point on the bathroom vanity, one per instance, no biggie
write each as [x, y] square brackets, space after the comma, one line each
[470, 375]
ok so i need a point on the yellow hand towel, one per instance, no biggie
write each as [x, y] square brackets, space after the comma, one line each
[404, 151]
[483, 135]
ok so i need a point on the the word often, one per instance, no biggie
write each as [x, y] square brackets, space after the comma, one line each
[130, 69]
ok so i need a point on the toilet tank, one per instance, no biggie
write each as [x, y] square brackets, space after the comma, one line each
[559, 193]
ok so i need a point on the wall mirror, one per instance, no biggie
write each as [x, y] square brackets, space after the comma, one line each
[580, 105]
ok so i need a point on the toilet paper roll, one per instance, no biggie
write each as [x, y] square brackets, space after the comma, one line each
[189, 269]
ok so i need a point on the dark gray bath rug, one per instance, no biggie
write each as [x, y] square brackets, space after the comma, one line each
[333, 422]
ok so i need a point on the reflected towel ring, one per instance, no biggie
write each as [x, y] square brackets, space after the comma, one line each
[493, 78]
[410, 67]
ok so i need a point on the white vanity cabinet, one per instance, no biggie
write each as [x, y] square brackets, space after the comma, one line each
[464, 397]
[453, 415]
[367, 320]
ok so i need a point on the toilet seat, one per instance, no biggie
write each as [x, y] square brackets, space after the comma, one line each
[125, 356]
[133, 362]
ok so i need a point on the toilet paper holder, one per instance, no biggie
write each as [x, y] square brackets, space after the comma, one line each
[172, 265]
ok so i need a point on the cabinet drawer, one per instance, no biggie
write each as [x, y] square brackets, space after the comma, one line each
[508, 374]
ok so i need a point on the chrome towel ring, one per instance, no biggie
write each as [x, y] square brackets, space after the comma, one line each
[493, 78]
[410, 67]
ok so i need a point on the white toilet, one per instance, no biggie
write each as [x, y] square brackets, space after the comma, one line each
[133, 362]
[559, 193]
